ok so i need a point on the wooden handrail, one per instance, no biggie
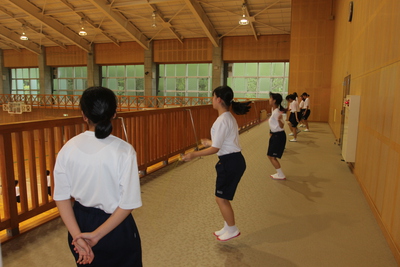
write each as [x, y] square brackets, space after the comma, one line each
[28, 149]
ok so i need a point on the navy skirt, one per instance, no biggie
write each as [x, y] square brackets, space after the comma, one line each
[121, 247]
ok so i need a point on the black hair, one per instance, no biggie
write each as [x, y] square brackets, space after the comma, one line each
[278, 100]
[295, 95]
[226, 94]
[305, 94]
[99, 104]
[292, 97]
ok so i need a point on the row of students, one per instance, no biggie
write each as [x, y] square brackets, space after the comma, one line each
[100, 172]
[277, 141]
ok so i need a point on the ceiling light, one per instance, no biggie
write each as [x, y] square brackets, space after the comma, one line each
[153, 15]
[244, 20]
[82, 32]
[23, 36]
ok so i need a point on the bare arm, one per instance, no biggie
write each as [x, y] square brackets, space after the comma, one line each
[205, 152]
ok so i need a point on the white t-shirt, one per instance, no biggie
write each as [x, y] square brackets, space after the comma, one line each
[301, 105]
[225, 134]
[274, 121]
[99, 173]
[307, 103]
[294, 107]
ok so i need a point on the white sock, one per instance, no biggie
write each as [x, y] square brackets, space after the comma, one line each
[280, 172]
[223, 230]
[231, 229]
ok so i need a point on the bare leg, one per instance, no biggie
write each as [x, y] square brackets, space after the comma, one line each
[275, 162]
[306, 123]
[226, 210]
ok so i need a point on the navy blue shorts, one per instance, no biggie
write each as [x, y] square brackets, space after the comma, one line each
[292, 119]
[121, 247]
[306, 114]
[277, 143]
[230, 169]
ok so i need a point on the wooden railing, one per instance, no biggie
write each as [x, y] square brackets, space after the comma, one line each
[28, 149]
[126, 103]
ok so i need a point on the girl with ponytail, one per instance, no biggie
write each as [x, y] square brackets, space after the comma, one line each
[99, 171]
[277, 140]
[231, 165]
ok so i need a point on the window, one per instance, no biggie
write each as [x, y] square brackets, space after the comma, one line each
[127, 80]
[70, 81]
[256, 80]
[25, 81]
[185, 80]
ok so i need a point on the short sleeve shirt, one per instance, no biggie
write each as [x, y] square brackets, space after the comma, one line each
[225, 134]
[99, 173]
[274, 121]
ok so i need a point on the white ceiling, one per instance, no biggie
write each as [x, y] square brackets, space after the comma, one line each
[57, 22]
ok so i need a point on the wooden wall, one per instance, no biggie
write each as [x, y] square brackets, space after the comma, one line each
[311, 49]
[72, 56]
[20, 59]
[126, 53]
[247, 48]
[191, 50]
[367, 48]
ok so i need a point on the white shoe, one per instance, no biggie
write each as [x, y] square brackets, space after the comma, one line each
[277, 177]
[298, 130]
[302, 125]
[293, 140]
[220, 232]
[291, 134]
[228, 236]
[306, 130]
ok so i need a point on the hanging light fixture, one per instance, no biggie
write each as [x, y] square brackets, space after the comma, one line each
[23, 36]
[82, 32]
[244, 20]
[153, 15]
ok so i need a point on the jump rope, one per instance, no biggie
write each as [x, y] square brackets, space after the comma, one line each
[159, 211]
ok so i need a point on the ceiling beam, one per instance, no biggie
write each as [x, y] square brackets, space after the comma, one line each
[30, 26]
[66, 32]
[165, 23]
[41, 32]
[14, 38]
[250, 19]
[10, 45]
[203, 21]
[121, 22]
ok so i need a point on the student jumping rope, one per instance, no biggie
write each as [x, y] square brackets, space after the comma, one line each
[306, 110]
[231, 165]
[277, 140]
[293, 117]
[100, 172]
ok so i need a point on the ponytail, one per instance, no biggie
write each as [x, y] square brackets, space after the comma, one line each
[241, 108]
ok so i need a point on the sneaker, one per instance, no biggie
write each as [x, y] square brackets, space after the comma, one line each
[298, 130]
[291, 134]
[228, 236]
[306, 130]
[277, 177]
[293, 140]
[302, 125]
[220, 232]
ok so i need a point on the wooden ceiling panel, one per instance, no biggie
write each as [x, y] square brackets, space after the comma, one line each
[57, 22]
